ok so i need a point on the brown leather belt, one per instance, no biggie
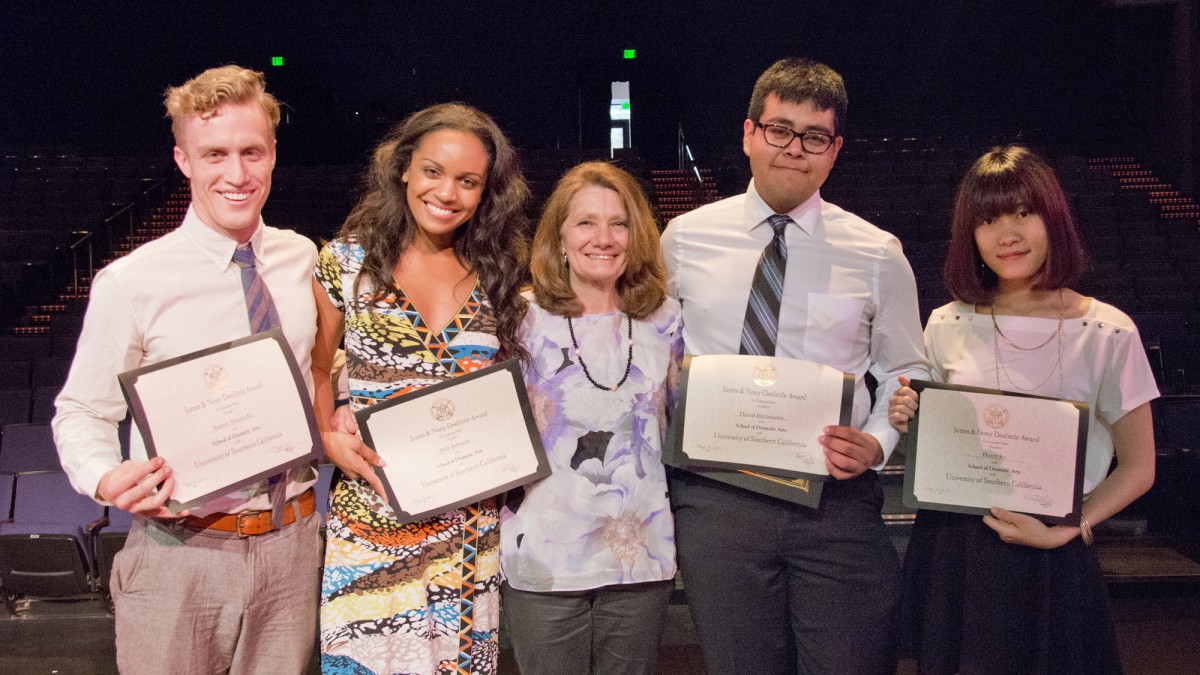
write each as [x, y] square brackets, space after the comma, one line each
[252, 523]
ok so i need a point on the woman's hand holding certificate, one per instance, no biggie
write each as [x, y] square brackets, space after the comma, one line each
[1018, 528]
[454, 443]
[971, 449]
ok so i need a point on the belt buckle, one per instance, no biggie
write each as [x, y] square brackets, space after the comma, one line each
[238, 524]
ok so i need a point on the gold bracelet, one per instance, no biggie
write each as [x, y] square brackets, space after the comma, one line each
[1085, 531]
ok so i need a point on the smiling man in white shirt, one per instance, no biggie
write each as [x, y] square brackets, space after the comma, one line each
[194, 593]
[776, 587]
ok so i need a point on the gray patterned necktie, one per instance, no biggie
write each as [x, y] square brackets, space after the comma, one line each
[260, 309]
[761, 328]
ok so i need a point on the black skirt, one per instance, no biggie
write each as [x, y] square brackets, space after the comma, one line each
[973, 604]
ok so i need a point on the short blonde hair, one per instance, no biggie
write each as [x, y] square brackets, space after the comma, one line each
[204, 93]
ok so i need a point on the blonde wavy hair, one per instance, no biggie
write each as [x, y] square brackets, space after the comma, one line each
[204, 93]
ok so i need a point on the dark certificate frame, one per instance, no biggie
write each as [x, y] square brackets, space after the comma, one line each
[129, 387]
[912, 454]
[512, 367]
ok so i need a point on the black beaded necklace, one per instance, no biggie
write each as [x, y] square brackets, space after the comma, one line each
[628, 359]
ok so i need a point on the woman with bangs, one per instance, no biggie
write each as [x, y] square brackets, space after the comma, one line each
[589, 552]
[1006, 593]
[423, 281]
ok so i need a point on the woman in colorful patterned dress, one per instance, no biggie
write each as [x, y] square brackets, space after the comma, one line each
[424, 282]
[1006, 593]
[589, 552]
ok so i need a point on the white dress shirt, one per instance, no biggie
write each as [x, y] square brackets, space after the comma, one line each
[849, 297]
[175, 295]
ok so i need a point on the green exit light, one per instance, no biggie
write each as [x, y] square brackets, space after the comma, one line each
[630, 53]
[277, 60]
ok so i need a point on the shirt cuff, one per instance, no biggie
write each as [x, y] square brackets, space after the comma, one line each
[887, 437]
[88, 482]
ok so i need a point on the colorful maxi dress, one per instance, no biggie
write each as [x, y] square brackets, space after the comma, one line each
[421, 598]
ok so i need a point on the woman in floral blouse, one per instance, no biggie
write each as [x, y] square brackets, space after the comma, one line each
[589, 552]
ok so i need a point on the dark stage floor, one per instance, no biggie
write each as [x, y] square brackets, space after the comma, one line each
[1157, 627]
[1155, 591]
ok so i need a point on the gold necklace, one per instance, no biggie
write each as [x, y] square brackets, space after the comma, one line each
[1062, 316]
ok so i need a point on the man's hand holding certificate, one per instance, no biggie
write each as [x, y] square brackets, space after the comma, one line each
[759, 413]
[224, 417]
[971, 449]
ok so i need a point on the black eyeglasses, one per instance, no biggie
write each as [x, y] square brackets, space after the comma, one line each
[814, 142]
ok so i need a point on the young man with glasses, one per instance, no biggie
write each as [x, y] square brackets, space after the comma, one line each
[776, 587]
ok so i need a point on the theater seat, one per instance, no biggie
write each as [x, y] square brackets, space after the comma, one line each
[15, 405]
[28, 447]
[44, 549]
[6, 496]
[109, 539]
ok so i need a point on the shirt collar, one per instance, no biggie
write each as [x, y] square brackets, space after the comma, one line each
[215, 246]
[805, 215]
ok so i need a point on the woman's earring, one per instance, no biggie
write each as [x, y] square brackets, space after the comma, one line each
[564, 257]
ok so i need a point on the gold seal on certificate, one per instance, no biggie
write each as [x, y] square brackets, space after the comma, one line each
[757, 413]
[224, 417]
[970, 449]
[456, 442]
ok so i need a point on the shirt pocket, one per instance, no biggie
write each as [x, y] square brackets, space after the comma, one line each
[833, 328]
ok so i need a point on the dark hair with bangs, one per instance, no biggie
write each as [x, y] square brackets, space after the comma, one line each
[1005, 179]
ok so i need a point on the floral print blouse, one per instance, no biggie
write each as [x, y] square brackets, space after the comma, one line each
[602, 517]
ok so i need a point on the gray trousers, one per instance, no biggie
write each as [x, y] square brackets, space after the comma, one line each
[611, 630]
[201, 602]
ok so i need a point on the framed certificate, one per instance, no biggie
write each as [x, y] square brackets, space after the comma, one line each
[224, 417]
[455, 442]
[969, 449]
[760, 414]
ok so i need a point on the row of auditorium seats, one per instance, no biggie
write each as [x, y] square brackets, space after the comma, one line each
[30, 447]
[47, 539]
[49, 201]
[56, 543]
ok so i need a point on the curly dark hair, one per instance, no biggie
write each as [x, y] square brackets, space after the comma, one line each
[492, 243]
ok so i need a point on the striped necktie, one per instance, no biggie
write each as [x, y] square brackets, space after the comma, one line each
[761, 328]
[259, 306]
[261, 311]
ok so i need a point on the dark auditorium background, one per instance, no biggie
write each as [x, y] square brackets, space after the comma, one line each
[1108, 90]
[90, 74]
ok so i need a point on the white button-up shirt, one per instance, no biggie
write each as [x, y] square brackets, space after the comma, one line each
[175, 295]
[849, 297]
